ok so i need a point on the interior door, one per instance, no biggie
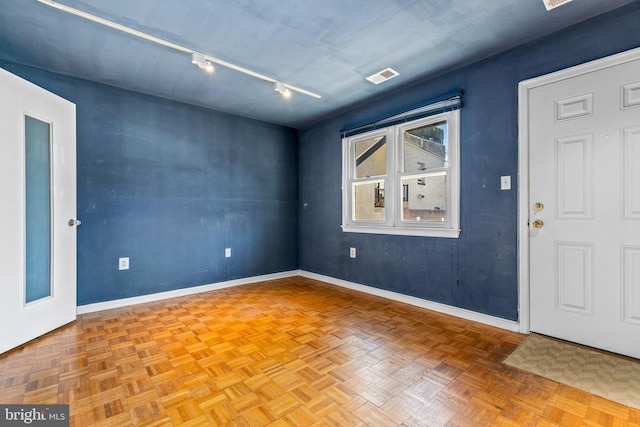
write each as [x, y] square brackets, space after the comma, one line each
[37, 215]
[584, 165]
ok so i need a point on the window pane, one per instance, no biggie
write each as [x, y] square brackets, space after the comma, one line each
[38, 210]
[368, 201]
[425, 147]
[371, 157]
[426, 197]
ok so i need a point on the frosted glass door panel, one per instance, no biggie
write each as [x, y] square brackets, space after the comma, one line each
[37, 209]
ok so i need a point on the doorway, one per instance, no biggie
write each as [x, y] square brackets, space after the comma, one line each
[579, 204]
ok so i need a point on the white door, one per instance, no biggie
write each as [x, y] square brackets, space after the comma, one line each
[584, 210]
[38, 200]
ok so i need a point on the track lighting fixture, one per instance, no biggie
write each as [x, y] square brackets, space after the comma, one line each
[282, 89]
[205, 62]
[201, 61]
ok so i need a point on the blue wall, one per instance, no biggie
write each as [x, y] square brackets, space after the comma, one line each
[171, 186]
[478, 271]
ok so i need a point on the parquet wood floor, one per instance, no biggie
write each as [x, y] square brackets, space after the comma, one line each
[290, 352]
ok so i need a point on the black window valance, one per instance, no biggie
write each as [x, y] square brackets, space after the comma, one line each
[448, 102]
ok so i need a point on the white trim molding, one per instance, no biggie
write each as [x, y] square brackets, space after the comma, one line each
[523, 165]
[394, 296]
[99, 306]
[486, 319]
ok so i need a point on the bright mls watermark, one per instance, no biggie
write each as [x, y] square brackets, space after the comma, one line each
[34, 415]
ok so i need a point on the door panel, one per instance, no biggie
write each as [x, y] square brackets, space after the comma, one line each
[631, 284]
[574, 281]
[38, 194]
[574, 165]
[584, 169]
[631, 173]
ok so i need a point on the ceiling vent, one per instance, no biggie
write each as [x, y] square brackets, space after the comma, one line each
[552, 4]
[382, 76]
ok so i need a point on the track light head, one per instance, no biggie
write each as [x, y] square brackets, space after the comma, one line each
[282, 89]
[201, 61]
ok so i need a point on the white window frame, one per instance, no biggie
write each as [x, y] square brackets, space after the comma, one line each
[393, 223]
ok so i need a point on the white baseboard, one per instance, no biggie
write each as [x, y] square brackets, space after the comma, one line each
[407, 299]
[486, 319]
[99, 306]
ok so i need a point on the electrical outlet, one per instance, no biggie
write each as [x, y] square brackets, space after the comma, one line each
[352, 252]
[123, 263]
[227, 253]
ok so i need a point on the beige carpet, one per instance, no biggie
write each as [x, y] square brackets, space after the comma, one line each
[605, 375]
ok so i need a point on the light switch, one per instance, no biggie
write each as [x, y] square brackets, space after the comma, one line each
[505, 182]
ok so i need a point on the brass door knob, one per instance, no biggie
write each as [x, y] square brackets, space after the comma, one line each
[538, 206]
[538, 223]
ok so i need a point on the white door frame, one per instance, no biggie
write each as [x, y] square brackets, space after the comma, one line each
[523, 166]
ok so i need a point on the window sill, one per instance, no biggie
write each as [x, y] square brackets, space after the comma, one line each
[449, 233]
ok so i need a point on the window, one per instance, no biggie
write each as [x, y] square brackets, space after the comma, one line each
[404, 179]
